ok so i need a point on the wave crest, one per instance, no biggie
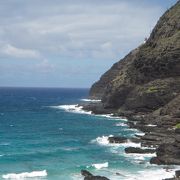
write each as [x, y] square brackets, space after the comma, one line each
[101, 165]
[23, 175]
[72, 108]
[102, 140]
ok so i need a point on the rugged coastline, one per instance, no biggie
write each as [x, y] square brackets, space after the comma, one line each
[159, 138]
[144, 87]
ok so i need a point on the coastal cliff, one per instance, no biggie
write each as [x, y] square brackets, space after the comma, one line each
[145, 87]
[149, 76]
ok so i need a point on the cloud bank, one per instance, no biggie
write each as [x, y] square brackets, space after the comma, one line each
[78, 31]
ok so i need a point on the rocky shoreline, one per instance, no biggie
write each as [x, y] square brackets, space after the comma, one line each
[144, 87]
[159, 138]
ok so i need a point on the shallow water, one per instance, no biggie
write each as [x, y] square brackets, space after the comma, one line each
[40, 138]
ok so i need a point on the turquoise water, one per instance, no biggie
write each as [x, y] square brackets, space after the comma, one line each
[38, 134]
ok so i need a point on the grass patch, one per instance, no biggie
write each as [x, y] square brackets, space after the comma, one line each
[177, 126]
[152, 89]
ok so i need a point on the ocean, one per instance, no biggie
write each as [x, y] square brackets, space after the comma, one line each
[44, 135]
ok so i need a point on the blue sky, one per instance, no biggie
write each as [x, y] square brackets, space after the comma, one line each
[57, 43]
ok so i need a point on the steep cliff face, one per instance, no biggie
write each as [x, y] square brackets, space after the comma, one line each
[149, 76]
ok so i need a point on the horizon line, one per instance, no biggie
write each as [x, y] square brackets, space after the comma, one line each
[44, 87]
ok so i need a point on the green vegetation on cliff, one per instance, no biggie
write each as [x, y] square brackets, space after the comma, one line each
[177, 126]
[147, 78]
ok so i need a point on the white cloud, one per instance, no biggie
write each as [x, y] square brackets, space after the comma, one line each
[66, 37]
[76, 29]
[12, 51]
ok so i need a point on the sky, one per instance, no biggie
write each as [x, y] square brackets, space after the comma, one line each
[57, 43]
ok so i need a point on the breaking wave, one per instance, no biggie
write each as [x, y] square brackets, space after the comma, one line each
[101, 165]
[24, 175]
[72, 108]
[91, 100]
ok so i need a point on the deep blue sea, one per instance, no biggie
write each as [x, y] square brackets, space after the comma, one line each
[43, 135]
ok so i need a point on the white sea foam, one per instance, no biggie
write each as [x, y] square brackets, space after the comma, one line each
[72, 108]
[130, 144]
[25, 175]
[123, 119]
[75, 108]
[111, 116]
[106, 115]
[154, 173]
[102, 140]
[91, 100]
[121, 124]
[157, 174]
[140, 134]
[137, 156]
[76, 177]
[101, 165]
[139, 175]
[151, 125]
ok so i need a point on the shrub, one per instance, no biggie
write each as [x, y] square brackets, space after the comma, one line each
[177, 126]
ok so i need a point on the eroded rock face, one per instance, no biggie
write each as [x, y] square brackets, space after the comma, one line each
[167, 154]
[145, 87]
[149, 76]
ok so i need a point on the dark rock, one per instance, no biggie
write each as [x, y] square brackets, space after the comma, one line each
[117, 140]
[119, 174]
[149, 76]
[138, 150]
[177, 173]
[145, 87]
[177, 138]
[155, 160]
[149, 137]
[85, 173]
[97, 108]
[89, 176]
[164, 161]
[168, 149]
[145, 128]
[95, 178]
[177, 131]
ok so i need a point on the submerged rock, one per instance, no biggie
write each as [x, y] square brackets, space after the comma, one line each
[88, 176]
